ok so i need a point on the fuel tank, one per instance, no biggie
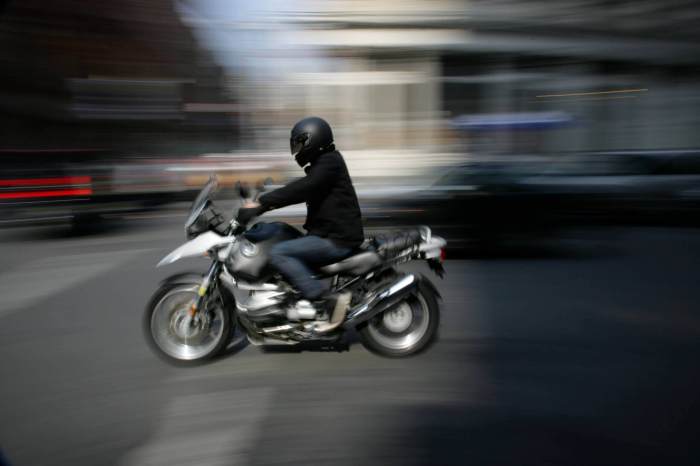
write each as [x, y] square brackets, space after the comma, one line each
[248, 259]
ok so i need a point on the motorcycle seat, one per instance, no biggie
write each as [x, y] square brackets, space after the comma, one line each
[388, 245]
[357, 264]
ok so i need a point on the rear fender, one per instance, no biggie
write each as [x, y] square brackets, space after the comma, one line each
[430, 286]
[432, 246]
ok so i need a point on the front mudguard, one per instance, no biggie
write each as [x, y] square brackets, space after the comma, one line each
[182, 279]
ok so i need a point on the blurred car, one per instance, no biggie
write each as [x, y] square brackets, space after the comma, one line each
[76, 185]
[485, 203]
[471, 203]
[622, 187]
[84, 186]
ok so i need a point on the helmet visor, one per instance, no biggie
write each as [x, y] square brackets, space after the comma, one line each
[297, 143]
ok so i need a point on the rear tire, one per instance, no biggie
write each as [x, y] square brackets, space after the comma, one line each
[173, 339]
[405, 329]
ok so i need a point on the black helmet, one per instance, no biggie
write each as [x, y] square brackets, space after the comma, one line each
[310, 138]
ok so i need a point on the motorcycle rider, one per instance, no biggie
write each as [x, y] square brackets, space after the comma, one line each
[333, 220]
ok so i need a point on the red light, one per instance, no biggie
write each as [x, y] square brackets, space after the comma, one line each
[52, 193]
[63, 186]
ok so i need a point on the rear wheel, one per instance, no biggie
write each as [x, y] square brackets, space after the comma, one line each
[406, 328]
[174, 335]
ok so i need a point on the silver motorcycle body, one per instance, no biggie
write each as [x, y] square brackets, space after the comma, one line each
[395, 313]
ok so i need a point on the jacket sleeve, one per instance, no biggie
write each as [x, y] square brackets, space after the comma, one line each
[316, 182]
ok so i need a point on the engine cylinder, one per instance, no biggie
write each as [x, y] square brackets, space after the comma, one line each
[302, 310]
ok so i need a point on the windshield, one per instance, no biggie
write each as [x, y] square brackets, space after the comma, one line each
[201, 201]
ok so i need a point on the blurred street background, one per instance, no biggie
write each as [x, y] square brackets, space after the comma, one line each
[554, 144]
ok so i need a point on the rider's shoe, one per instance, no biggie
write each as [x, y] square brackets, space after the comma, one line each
[335, 305]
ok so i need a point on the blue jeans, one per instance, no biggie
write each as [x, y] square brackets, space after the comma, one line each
[294, 258]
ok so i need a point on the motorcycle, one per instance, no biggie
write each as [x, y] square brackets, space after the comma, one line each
[192, 318]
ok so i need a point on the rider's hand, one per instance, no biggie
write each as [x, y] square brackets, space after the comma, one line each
[246, 214]
[250, 204]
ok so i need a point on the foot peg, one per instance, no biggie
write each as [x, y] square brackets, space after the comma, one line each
[341, 307]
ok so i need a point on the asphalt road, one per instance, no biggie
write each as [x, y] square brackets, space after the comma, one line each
[583, 356]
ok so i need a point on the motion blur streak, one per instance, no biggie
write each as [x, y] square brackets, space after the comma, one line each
[574, 94]
[71, 180]
[554, 144]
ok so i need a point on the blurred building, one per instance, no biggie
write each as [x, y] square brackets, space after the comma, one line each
[126, 76]
[167, 77]
[396, 71]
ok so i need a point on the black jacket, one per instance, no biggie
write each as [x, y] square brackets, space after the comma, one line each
[332, 208]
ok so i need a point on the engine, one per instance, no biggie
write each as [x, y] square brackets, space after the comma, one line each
[265, 305]
[302, 310]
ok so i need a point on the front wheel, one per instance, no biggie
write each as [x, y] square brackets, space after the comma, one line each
[406, 328]
[174, 335]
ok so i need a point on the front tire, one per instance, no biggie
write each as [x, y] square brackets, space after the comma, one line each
[405, 329]
[176, 338]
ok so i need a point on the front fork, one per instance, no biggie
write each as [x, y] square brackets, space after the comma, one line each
[204, 287]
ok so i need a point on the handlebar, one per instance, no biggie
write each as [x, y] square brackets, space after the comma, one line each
[247, 195]
[251, 194]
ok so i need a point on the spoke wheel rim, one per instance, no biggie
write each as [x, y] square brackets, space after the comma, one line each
[176, 334]
[402, 326]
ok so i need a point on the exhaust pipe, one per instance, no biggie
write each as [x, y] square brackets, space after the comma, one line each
[381, 301]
